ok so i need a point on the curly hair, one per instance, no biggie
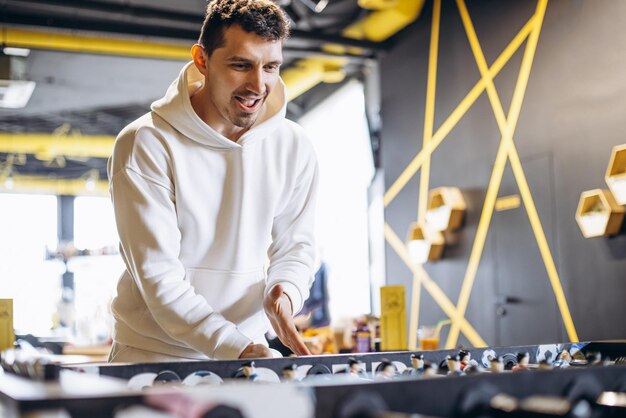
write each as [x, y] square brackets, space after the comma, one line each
[261, 17]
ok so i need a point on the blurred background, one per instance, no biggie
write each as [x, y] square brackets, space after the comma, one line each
[496, 243]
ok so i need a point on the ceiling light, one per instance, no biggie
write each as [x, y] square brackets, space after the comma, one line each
[321, 5]
[15, 94]
[9, 182]
[316, 5]
[92, 177]
[15, 90]
[16, 52]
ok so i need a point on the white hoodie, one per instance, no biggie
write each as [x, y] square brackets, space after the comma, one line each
[198, 215]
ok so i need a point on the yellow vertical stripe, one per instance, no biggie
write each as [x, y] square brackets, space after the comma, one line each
[429, 115]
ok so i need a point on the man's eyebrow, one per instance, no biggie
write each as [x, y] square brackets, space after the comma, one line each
[237, 58]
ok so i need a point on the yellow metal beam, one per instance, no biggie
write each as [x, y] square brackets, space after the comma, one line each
[308, 72]
[48, 146]
[70, 42]
[380, 25]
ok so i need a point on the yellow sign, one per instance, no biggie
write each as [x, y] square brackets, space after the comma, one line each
[392, 318]
[7, 336]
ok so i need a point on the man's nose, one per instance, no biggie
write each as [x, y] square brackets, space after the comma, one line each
[256, 81]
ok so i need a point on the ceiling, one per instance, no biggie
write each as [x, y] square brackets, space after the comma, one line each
[98, 94]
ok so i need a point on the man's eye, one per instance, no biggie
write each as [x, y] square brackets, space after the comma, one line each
[239, 66]
[272, 68]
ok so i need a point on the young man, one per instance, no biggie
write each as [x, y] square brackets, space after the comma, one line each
[208, 186]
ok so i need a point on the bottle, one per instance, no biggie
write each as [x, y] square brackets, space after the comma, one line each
[363, 338]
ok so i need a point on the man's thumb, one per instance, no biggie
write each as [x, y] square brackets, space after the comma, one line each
[276, 292]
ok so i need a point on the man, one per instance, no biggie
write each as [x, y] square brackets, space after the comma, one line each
[208, 186]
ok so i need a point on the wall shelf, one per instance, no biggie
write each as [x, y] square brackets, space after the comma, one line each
[599, 214]
[424, 243]
[445, 209]
[616, 174]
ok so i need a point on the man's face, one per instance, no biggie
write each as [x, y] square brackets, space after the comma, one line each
[240, 76]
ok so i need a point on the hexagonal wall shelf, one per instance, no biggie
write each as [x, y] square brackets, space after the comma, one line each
[599, 214]
[445, 209]
[424, 243]
[616, 174]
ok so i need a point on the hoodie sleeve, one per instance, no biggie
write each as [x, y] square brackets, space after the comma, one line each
[145, 211]
[292, 253]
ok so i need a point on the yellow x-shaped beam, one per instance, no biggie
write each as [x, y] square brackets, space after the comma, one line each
[506, 150]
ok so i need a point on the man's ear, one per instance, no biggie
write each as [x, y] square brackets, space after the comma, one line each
[199, 58]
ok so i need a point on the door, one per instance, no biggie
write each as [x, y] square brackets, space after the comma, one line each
[525, 307]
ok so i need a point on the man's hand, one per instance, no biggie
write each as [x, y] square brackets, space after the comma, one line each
[256, 351]
[278, 309]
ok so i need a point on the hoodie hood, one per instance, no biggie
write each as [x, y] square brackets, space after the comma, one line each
[175, 108]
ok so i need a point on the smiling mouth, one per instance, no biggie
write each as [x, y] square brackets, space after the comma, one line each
[248, 104]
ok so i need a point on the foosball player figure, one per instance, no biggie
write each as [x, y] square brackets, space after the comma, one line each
[430, 369]
[354, 367]
[473, 368]
[249, 371]
[522, 362]
[386, 370]
[464, 358]
[454, 366]
[289, 373]
[496, 365]
[594, 359]
[417, 365]
[544, 365]
[563, 360]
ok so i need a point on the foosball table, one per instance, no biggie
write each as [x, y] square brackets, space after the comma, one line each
[580, 380]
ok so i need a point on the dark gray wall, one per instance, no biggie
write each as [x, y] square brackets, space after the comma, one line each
[574, 112]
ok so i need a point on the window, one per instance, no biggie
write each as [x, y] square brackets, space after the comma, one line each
[339, 132]
[28, 226]
[96, 274]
